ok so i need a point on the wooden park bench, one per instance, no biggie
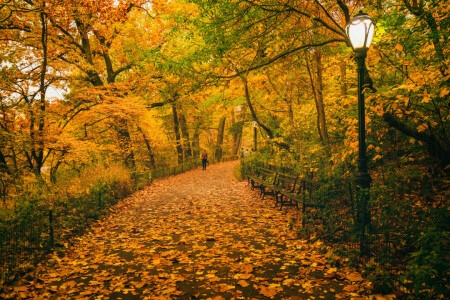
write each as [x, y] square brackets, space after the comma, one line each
[286, 189]
[301, 192]
[262, 178]
[296, 191]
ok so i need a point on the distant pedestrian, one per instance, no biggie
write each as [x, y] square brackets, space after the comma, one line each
[204, 159]
[246, 153]
[241, 153]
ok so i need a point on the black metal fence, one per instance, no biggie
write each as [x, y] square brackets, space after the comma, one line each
[385, 246]
[22, 245]
[174, 170]
[24, 249]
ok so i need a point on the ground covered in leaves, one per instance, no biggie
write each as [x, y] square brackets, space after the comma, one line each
[197, 235]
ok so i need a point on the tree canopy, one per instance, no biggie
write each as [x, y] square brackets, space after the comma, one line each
[149, 84]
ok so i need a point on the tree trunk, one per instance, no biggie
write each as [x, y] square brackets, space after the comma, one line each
[149, 148]
[219, 143]
[343, 69]
[37, 134]
[54, 169]
[255, 138]
[239, 141]
[317, 90]
[125, 144]
[433, 34]
[321, 108]
[436, 147]
[291, 119]
[176, 127]
[185, 135]
[3, 164]
[196, 141]
[255, 117]
[95, 78]
[314, 92]
[237, 134]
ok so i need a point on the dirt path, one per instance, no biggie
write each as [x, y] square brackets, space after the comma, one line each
[198, 235]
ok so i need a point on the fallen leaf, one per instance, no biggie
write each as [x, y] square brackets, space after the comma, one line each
[355, 276]
[247, 269]
[267, 292]
[351, 288]
[242, 283]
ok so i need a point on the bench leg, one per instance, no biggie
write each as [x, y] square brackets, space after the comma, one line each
[281, 202]
[263, 193]
[303, 214]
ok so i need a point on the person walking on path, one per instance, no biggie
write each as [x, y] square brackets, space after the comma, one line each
[246, 153]
[204, 159]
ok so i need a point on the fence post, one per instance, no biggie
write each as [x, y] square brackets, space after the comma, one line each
[50, 221]
[304, 205]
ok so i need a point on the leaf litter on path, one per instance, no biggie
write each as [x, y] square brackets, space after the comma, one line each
[197, 235]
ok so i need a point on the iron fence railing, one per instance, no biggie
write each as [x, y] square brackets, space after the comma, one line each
[387, 241]
[181, 168]
[21, 247]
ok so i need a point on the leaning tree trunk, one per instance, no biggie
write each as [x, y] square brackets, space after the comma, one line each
[37, 120]
[54, 169]
[255, 117]
[291, 119]
[186, 139]
[434, 34]
[321, 108]
[126, 146]
[219, 143]
[237, 135]
[314, 92]
[317, 91]
[343, 71]
[3, 165]
[438, 149]
[149, 148]
[196, 141]
[176, 127]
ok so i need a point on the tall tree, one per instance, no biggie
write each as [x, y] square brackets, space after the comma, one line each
[220, 133]
[176, 128]
[186, 143]
[317, 91]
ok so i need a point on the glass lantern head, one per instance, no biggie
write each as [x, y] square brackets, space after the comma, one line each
[360, 31]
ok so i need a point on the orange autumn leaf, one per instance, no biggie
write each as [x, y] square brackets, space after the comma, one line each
[242, 283]
[354, 276]
[268, 292]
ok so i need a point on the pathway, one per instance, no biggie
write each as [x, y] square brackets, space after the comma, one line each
[197, 235]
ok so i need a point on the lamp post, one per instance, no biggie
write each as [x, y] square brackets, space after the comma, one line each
[360, 32]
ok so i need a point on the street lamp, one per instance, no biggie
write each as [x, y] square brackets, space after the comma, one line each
[360, 32]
